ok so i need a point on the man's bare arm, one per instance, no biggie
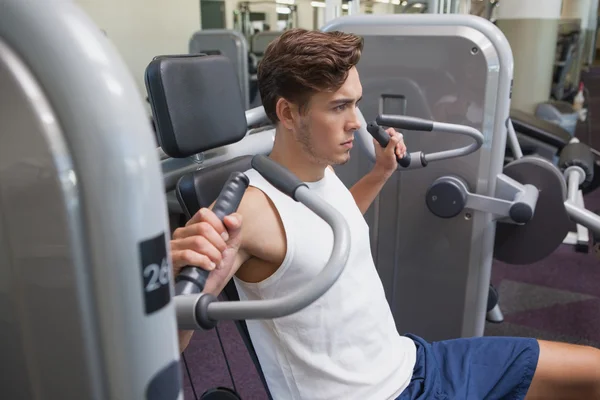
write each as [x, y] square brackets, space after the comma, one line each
[366, 190]
[368, 187]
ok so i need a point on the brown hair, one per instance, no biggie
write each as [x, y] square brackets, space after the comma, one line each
[300, 63]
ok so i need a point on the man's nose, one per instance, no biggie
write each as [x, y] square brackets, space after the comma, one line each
[353, 121]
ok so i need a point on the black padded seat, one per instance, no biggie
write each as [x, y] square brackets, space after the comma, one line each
[200, 189]
[544, 131]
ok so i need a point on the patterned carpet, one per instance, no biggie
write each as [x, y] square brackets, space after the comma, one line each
[554, 299]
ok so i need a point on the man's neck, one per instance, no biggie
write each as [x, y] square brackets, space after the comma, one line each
[289, 153]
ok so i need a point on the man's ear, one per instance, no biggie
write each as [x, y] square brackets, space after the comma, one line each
[286, 112]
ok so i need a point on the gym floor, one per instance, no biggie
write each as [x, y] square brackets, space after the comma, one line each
[557, 298]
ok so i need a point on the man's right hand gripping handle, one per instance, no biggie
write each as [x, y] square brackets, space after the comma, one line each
[209, 243]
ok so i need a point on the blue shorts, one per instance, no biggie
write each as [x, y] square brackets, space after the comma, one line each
[479, 368]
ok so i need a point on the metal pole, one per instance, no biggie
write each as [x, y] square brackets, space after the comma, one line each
[333, 10]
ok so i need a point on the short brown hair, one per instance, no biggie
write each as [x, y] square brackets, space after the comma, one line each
[300, 63]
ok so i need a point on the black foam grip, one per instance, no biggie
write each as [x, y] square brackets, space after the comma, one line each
[277, 175]
[191, 280]
[405, 122]
[579, 155]
[231, 195]
[383, 139]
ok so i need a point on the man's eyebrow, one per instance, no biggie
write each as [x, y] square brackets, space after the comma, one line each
[344, 101]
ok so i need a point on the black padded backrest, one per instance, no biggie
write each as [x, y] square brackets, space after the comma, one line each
[544, 131]
[200, 189]
[196, 103]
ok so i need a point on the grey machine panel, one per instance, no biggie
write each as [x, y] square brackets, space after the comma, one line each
[82, 218]
[449, 68]
[261, 40]
[231, 44]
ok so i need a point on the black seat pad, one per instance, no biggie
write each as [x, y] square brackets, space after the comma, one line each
[544, 131]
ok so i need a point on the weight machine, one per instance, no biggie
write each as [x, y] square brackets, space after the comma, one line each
[86, 298]
[243, 24]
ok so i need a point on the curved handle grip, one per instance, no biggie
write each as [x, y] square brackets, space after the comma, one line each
[405, 122]
[277, 175]
[383, 139]
[191, 280]
[412, 123]
[204, 312]
[296, 300]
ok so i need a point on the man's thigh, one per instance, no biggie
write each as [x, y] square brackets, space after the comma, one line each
[566, 371]
[474, 368]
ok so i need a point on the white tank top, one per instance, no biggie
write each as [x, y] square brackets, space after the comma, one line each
[345, 345]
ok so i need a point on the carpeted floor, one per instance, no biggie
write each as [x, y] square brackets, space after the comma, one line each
[555, 299]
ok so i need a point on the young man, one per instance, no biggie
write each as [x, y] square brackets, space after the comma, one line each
[345, 345]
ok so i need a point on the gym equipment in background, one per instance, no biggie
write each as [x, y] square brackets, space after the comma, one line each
[260, 41]
[567, 71]
[445, 263]
[258, 45]
[230, 43]
[548, 140]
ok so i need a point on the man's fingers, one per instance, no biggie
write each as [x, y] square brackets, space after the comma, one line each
[207, 215]
[181, 258]
[397, 142]
[401, 149]
[202, 229]
[233, 222]
[200, 245]
[393, 143]
[198, 217]
[234, 227]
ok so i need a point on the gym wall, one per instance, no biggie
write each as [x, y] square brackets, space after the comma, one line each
[142, 29]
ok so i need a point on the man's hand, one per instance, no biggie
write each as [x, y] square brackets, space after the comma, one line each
[385, 158]
[210, 244]
[206, 242]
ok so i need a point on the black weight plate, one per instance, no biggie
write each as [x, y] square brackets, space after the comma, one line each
[595, 184]
[220, 393]
[538, 238]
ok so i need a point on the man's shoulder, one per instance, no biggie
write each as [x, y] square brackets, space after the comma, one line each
[257, 211]
[263, 235]
[253, 201]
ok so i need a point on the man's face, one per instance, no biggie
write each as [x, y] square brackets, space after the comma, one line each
[326, 129]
